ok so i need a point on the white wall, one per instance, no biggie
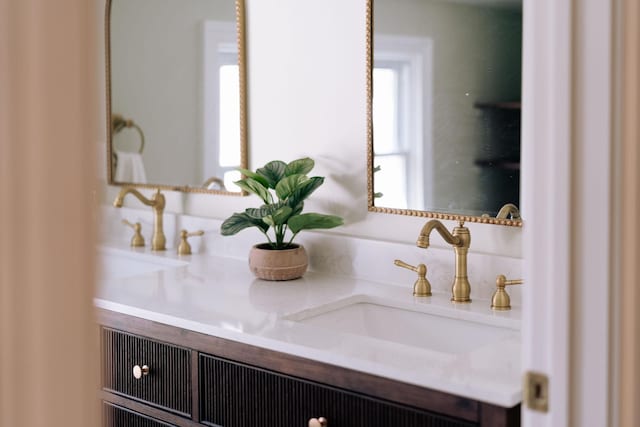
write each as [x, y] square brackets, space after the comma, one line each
[307, 96]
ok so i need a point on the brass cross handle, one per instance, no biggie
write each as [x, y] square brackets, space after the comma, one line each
[137, 240]
[422, 287]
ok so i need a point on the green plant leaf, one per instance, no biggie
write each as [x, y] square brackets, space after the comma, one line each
[264, 210]
[238, 222]
[284, 212]
[288, 185]
[279, 217]
[273, 172]
[299, 167]
[304, 190]
[258, 213]
[310, 221]
[273, 214]
[255, 187]
[255, 176]
[297, 209]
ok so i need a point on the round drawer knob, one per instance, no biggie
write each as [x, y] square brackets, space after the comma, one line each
[318, 422]
[138, 371]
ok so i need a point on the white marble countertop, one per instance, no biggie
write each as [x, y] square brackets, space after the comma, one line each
[219, 296]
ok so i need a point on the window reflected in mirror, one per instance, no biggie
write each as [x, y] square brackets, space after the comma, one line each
[176, 78]
[444, 118]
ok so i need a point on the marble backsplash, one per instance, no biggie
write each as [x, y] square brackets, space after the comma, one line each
[331, 253]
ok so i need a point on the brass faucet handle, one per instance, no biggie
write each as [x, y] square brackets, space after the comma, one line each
[137, 240]
[184, 248]
[422, 287]
[500, 300]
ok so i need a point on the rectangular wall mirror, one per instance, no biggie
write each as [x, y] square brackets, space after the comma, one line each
[176, 94]
[444, 87]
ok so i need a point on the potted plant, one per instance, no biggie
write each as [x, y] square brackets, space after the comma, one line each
[283, 189]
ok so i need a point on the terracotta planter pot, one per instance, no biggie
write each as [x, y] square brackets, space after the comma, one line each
[284, 264]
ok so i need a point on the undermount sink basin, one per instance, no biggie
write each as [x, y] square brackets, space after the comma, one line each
[405, 326]
[117, 264]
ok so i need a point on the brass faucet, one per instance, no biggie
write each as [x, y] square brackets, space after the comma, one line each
[500, 299]
[184, 248]
[137, 241]
[460, 240]
[508, 210]
[157, 203]
[422, 287]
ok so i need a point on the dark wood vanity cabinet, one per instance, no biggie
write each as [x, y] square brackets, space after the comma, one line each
[167, 384]
[236, 395]
[116, 416]
[195, 379]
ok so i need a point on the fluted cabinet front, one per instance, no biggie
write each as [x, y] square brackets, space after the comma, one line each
[238, 395]
[116, 416]
[147, 370]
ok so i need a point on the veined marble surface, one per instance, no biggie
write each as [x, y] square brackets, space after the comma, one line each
[218, 295]
[333, 254]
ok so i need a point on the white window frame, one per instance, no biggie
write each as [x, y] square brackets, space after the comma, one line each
[415, 112]
[219, 44]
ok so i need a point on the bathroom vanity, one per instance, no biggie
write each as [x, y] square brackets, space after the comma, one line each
[199, 341]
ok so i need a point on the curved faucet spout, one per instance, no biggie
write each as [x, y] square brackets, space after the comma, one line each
[460, 239]
[508, 209]
[423, 238]
[157, 203]
[153, 202]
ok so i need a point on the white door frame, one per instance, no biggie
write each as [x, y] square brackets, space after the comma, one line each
[566, 189]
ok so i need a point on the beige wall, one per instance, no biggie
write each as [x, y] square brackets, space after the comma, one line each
[628, 380]
[48, 354]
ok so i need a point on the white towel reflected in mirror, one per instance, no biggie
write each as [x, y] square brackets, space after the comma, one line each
[130, 168]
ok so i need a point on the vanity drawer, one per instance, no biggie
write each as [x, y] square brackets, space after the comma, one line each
[166, 384]
[236, 395]
[116, 416]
